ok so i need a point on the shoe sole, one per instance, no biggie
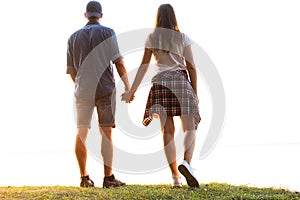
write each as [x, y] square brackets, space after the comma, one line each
[113, 186]
[176, 187]
[190, 179]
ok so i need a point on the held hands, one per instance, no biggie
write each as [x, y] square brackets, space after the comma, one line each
[127, 96]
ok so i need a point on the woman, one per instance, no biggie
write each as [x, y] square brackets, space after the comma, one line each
[172, 93]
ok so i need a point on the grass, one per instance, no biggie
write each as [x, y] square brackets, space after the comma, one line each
[207, 191]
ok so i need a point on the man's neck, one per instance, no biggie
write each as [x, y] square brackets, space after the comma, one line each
[93, 21]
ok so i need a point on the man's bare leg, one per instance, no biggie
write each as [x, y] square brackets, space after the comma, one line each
[107, 149]
[80, 149]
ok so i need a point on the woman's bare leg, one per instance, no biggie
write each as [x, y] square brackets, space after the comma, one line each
[189, 138]
[168, 129]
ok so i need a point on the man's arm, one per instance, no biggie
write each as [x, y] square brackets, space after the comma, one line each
[122, 73]
[73, 76]
[70, 65]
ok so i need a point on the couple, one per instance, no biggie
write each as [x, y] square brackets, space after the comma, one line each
[173, 93]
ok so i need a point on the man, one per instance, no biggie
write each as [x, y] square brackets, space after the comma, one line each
[90, 53]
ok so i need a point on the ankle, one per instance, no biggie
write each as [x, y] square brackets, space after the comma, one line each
[108, 175]
[84, 176]
[109, 178]
[175, 174]
[188, 161]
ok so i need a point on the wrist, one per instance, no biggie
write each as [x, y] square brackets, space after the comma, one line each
[130, 92]
[127, 88]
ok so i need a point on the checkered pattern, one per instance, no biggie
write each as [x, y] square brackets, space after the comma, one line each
[171, 94]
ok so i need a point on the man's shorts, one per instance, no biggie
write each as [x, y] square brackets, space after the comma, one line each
[105, 108]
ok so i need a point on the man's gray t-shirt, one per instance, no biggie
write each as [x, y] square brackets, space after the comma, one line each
[90, 53]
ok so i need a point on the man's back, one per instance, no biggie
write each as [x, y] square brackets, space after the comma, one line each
[82, 43]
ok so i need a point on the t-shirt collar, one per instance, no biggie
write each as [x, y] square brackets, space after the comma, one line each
[91, 23]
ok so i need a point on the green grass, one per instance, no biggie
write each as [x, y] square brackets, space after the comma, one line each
[207, 191]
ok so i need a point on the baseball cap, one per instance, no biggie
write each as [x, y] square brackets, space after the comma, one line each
[93, 9]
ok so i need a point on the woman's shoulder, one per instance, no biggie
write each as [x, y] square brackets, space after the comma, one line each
[186, 39]
[148, 42]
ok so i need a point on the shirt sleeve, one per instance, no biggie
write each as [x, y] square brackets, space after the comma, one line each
[148, 43]
[70, 64]
[187, 53]
[115, 52]
[186, 40]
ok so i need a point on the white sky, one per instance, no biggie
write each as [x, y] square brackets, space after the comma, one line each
[255, 46]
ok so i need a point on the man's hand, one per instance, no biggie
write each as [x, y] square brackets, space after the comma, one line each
[127, 97]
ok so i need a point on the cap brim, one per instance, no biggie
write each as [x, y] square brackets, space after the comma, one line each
[93, 14]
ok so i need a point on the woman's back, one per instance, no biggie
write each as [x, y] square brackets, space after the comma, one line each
[168, 47]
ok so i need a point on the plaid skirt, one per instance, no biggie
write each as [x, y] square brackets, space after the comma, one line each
[171, 94]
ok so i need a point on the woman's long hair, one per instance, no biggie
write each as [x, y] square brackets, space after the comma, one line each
[166, 34]
[166, 17]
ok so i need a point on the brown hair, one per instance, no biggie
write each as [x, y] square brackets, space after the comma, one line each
[166, 18]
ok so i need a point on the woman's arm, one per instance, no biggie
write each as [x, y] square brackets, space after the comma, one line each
[128, 96]
[189, 60]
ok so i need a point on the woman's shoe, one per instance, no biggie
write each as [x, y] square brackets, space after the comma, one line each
[177, 182]
[186, 170]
